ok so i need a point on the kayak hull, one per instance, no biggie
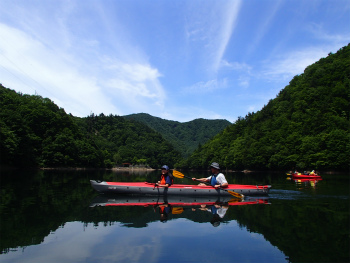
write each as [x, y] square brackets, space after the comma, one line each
[144, 188]
[306, 176]
[131, 200]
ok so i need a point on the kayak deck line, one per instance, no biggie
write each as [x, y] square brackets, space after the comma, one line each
[145, 184]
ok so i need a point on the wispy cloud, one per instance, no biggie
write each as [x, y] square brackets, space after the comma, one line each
[124, 57]
[135, 83]
[320, 33]
[75, 73]
[212, 26]
[203, 87]
[291, 64]
[265, 25]
[235, 66]
[229, 19]
[36, 68]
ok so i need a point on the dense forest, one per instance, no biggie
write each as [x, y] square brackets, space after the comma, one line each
[35, 132]
[184, 136]
[305, 127]
[129, 141]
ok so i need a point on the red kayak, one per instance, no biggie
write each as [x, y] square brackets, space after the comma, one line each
[306, 176]
[144, 188]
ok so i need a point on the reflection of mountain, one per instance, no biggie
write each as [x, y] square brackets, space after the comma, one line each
[34, 205]
[311, 230]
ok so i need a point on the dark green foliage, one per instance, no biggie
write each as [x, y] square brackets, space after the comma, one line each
[305, 127]
[185, 137]
[37, 133]
[129, 141]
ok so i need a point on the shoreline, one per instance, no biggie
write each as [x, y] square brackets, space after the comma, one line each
[116, 169]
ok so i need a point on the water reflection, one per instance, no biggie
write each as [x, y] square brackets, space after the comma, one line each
[57, 217]
[169, 206]
[306, 183]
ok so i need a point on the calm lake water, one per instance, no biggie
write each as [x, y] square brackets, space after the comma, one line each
[55, 216]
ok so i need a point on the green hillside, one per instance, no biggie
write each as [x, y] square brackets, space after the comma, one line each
[305, 127]
[184, 136]
[35, 132]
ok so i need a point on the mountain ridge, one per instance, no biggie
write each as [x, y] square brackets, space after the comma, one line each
[184, 136]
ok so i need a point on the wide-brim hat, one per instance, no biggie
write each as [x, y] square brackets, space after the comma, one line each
[215, 165]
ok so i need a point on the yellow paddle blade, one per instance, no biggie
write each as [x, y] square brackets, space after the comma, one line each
[177, 210]
[240, 196]
[233, 200]
[178, 174]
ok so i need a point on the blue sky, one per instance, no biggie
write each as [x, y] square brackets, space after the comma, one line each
[177, 60]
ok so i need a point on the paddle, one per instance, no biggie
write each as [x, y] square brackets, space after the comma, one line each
[179, 210]
[178, 174]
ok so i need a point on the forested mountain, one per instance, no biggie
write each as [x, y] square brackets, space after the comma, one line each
[129, 141]
[305, 127]
[35, 132]
[184, 136]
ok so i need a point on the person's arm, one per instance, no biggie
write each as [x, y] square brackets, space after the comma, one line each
[162, 185]
[167, 182]
[203, 180]
[223, 185]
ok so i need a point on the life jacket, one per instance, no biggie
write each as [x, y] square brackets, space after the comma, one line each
[163, 179]
[213, 209]
[165, 209]
[213, 181]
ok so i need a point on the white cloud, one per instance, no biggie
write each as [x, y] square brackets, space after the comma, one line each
[293, 63]
[235, 66]
[320, 34]
[74, 83]
[34, 67]
[212, 25]
[244, 81]
[136, 79]
[230, 16]
[265, 25]
[202, 87]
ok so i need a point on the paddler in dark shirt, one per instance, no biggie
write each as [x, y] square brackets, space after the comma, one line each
[166, 178]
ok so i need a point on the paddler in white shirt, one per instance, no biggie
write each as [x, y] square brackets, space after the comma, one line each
[216, 179]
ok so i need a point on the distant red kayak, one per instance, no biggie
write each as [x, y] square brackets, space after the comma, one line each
[306, 176]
